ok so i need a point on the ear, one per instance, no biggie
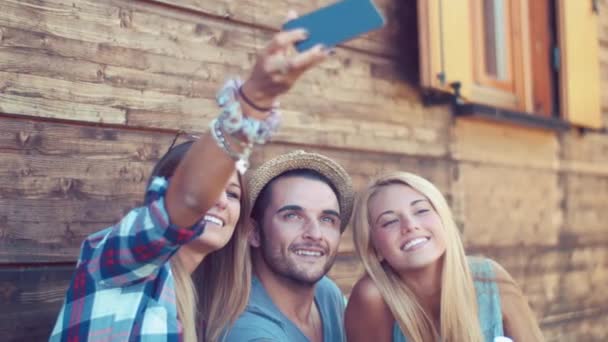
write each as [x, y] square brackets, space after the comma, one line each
[254, 235]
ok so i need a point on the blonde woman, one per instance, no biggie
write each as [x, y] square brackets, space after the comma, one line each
[419, 284]
[175, 269]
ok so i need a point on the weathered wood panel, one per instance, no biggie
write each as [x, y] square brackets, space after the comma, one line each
[533, 200]
[271, 15]
[508, 205]
[159, 68]
[586, 208]
[587, 325]
[31, 298]
[58, 183]
[585, 153]
[558, 279]
[509, 145]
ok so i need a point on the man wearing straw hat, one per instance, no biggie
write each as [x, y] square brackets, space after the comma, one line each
[302, 203]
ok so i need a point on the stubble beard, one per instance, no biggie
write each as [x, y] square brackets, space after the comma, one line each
[285, 267]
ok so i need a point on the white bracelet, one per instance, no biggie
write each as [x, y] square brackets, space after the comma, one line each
[242, 158]
[233, 122]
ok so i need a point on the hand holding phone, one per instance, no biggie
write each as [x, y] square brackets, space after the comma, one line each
[337, 23]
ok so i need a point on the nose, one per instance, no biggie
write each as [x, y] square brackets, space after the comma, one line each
[313, 230]
[222, 201]
[408, 225]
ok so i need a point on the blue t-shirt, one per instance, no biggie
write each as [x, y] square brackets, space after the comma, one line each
[263, 321]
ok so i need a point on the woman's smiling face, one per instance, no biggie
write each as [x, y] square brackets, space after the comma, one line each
[406, 231]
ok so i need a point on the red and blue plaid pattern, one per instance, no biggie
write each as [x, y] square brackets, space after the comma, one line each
[123, 288]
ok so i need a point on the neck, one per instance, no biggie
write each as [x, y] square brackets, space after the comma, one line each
[426, 285]
[294, 299]
[190, 257]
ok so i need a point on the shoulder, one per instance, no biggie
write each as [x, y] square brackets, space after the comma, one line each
[365, 291]
[367, 315]
[254, 326]
[328, 286]
[484, 268]
[500, 274]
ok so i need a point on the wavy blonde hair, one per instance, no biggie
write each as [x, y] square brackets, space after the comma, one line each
[217, 292]
[458, 315]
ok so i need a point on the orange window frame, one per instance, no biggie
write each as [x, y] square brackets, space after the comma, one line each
[513, 86]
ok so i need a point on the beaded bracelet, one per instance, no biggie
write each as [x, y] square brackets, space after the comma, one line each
[251, 103]
[241, 159]
[233, 122]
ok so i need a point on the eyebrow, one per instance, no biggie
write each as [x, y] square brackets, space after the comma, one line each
[418, 201]
[294, 207]
[392, 211]
[289, 207]
[331, 212]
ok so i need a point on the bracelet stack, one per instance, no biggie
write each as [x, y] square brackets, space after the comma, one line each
[231, 121]
[241, 158]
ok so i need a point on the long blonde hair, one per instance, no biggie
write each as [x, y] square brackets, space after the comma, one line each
[458, 317]
[217, 292]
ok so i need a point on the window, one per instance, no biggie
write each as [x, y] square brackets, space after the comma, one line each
[539, 57]
[497, 69]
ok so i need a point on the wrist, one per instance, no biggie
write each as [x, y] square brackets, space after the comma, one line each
[235, 148]
[236, 122]
[255, 99]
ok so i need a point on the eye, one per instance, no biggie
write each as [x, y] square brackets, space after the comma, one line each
[233, 194]
[389, 223]
[329, 219]
[291, 216]
[422, 211]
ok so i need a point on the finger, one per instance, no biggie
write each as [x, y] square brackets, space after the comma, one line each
[308, 58]
[285, 39]
[291, 15]
[278, 63]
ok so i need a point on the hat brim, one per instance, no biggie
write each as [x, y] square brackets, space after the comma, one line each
[301, 160]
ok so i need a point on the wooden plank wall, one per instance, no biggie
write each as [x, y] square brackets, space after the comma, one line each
[92, 93]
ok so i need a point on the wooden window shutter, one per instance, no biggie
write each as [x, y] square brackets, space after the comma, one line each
[445, 38]
[580, 67]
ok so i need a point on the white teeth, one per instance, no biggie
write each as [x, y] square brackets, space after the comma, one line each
[414, 242]
[308, 253]
[214, 220]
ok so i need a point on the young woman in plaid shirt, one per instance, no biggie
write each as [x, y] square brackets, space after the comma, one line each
[173, 270]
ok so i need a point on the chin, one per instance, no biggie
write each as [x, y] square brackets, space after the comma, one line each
[308, 276]
[210, 244]
[415, 263]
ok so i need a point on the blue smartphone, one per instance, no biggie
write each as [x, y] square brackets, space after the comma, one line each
[337, 23]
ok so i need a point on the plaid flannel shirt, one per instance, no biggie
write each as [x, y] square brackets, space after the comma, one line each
[123, 288]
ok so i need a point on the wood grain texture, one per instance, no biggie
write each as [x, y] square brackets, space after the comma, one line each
[91, 91]
[31, 298]
[271, 15]
[60, 183]
[128, 62]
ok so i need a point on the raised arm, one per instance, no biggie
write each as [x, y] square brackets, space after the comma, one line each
[146, 238]
[367, 317]
[274, 73]
[136, 247]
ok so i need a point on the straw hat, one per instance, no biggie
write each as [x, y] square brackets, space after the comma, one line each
[301, 160]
